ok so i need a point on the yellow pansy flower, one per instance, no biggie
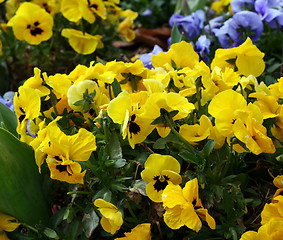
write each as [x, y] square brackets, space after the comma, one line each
[125, 29]
[123, 110]
[11, 7]
[197, 132]
[140, 232]
[218, 6]
[277, 88]
[277, 127]
[253, 134]
[224, 107]
[182, 54]
[245, 59]
[31, 23]
[65, 151]
[90, 8]
[69, 9]
[8, 224]
[36, 82]
[84, 96]
[184, 207]
[169, 102]
[159, 171]
[82, 43]
[111, 220]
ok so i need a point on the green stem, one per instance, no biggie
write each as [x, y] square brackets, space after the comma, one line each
[131, 211]
[78, 192]
[30, 227]
[174, 131]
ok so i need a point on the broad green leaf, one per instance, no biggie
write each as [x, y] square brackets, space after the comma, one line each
[114, 147]
[195, 5]
[90, 221]
[50, 233]
[192, 158]
[8, 119]
[21, 193]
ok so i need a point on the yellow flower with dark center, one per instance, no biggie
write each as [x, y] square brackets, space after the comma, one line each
[31, 23]
[65, 151]
[159, 171]
[90, 8]
[82, 43]
[8, 224]
[245, 60]
[278, 182]
[50, 6]
[140, 232]
[111, 220]
[123, 110]
[184, 207]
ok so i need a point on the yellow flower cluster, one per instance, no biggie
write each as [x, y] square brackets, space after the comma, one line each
[33, 21]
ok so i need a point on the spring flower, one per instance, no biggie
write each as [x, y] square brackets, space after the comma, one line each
[270, 11]
[160, 102]
[184, 207]
[123, 110]
[253, 134]
[65, 151]
[111, 220]
[50, 6]
[277, 128]
[271, 231]
[223, 107]
[272, 211]
[90, 8]
[82, 43]
[202, 46]
[182, 54]
[31, 23]
[125, 29]
[84, 96]
[245, 60]
[140, 232]
[245, 24]
[160, 170]
[69, 9]
[7, 99]
[8, 224]
[196, 132]
[189, 25]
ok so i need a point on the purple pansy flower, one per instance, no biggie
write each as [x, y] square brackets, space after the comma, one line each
[241, 5]
[214, 25]
[147, 12]
[236, 29]
[271, 11]
[191, 25]
[146, 58]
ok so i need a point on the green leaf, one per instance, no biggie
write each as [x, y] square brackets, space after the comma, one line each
[116, 87]
[195, 5]
[114, 147]
[176, 36]
[50, 233]
[90, 221]
[192, 158]
[21, 194]
[8, 119]
[207, 149]
[120, 163]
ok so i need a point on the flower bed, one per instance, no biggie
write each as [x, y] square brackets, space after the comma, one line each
[179, 143]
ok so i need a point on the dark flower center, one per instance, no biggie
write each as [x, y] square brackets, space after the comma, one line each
[161, 183]
[133, 127]
[35, 30]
